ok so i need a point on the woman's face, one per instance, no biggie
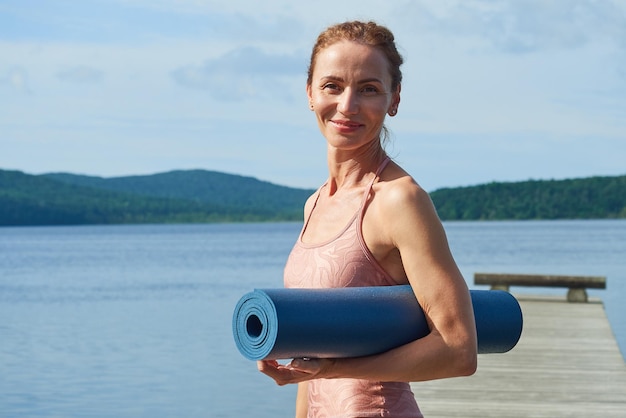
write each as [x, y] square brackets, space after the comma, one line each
[350, 93]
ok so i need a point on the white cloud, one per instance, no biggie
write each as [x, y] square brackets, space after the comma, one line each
[16, 78]
[523, 26]
[82, 74]
[243, 73]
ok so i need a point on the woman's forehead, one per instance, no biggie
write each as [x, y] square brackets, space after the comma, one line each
[347, 58]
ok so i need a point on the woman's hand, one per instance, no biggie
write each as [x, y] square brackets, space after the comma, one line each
[299, 370]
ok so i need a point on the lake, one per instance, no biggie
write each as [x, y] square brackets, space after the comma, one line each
[135, 320]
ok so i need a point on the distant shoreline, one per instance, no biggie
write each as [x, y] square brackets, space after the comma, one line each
[200, 196]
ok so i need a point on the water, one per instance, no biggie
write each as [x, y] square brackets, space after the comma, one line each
[135, 321]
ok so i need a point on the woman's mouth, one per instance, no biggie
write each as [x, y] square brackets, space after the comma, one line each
[346, 125]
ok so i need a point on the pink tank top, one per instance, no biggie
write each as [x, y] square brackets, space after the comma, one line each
[345, 261]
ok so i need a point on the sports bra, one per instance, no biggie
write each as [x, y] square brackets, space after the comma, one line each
[343, 261]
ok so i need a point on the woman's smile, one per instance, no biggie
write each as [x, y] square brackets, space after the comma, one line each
[346, 126]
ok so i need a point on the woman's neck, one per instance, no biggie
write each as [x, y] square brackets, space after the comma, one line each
[349, 170]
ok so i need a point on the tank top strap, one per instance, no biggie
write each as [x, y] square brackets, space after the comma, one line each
[380, 169]
[368, 191]
[306, 221]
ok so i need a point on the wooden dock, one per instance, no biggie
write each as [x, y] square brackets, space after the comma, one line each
[566, 364]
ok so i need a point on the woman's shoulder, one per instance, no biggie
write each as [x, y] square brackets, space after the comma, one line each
[397, 187]
[403, 211]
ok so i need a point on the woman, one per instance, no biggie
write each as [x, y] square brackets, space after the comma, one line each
[371, 224]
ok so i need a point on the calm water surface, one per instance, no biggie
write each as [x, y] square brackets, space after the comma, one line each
[135, 321]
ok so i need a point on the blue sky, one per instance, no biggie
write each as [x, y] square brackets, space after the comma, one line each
[494, 90]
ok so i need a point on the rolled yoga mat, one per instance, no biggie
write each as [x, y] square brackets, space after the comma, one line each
[357, 321]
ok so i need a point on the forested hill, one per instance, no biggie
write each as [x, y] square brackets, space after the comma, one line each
[201, 186]
[585, 198]
[208, 196]
[173, 197]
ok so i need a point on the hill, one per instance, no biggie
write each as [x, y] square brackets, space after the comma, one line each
[208, 196]
[586, 198]
[195, 196]
[230, 191]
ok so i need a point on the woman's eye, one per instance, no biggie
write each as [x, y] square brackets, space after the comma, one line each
[369, 90]
[330, 86]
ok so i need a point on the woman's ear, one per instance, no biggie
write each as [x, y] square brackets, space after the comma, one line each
[395, 102]
[309, 92]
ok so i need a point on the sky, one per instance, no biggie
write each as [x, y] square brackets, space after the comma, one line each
[493, 90]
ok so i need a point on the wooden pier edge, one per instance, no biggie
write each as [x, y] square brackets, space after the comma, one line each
[577, 285]
[566, 364]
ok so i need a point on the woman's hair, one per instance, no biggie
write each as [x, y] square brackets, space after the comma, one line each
[367, 33]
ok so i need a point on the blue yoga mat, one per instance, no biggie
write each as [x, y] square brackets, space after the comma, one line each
[357, 321]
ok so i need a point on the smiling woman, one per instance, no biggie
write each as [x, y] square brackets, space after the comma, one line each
[371, 224]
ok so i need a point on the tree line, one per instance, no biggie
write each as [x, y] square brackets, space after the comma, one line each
[45, 200]
[585, 198]
[198, 196]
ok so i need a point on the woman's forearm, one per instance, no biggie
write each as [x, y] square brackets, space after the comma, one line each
[425, 359]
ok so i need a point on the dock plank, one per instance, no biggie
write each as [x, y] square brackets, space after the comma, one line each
[566, 364]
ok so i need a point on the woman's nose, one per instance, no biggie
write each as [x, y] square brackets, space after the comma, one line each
[348, 102]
